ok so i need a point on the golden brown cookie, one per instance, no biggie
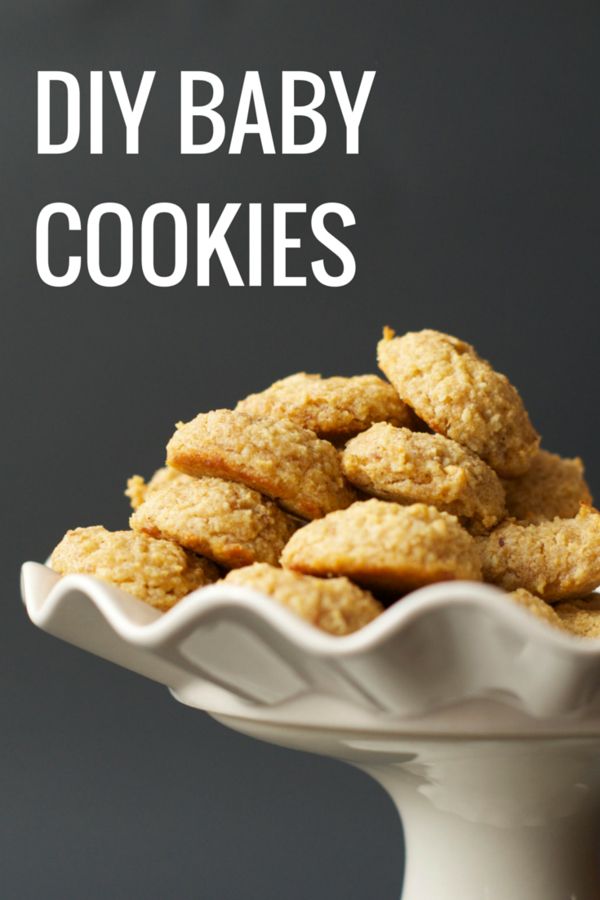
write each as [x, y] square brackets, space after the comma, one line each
[332, 604]
[536, 606]
[556, 560]
[581, 617]
[274, 456]
[553, 487]
[384, 546]
[158, 572]
[223, 520]
[334, 408]
[409, 467]
[458, 394]
[139, 490]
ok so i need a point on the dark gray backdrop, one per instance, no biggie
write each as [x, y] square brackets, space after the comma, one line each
[476, 194]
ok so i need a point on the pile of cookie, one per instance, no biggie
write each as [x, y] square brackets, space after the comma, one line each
[337, 496]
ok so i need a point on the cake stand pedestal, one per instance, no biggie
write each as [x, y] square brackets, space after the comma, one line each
[483, 819]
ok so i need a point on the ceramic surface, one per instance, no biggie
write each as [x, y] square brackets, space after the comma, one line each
[484, 818]
[452, 658]
[480, 721]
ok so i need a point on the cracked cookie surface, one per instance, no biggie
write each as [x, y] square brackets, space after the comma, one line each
[535, 605]
[581, 616]
[334, 408]
[556, 560]
[458, 394]
[411, 467]
[158, 572]
[385, 546]
[552, 487]
[334, 605]
[222, 520]
[274, 456]
[138, 489]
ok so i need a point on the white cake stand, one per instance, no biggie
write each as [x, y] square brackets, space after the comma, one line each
[481, 722]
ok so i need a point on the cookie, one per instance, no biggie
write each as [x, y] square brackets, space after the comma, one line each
[552, 487]
[581, 617]
[274, 456]
[458, 394]
[158, 572]
[536, 606]
[223, 520]
[334, 408]
[384, 546]
[139, 490]
[410, 467]
[556, 560]
[334, 605]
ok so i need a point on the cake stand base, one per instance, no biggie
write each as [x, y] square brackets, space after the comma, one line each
[484, 819]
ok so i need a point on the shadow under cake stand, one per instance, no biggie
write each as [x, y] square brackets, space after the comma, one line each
[480, 721]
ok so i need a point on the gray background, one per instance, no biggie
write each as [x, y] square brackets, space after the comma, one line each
[477, 197]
